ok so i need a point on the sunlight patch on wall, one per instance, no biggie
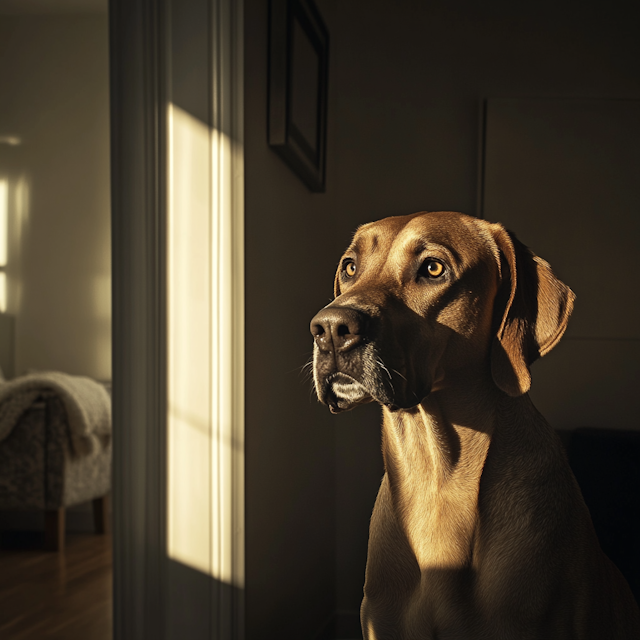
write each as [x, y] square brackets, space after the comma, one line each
[5, 212]
[19, 218]
[4, 221]
[200, 350]
[3, 292]
[189, 352]
[102, 312]
[227, 374]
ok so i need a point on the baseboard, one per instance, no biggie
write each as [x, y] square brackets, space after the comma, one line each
[343, 625]
[79, 519]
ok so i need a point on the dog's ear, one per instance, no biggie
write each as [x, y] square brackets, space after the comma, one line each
[531, 313]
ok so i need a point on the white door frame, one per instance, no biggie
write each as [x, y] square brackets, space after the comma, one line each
[139, 57]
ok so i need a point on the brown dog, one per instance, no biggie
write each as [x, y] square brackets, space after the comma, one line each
[479, 530]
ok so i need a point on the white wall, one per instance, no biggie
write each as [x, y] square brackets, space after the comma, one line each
[54, 98]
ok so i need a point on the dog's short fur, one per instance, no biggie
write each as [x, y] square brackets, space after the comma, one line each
[479, 530]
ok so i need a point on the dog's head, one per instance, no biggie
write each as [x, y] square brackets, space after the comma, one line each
[430, 300]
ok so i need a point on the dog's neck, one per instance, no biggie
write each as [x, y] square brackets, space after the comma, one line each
[434, 456]
[450, 429]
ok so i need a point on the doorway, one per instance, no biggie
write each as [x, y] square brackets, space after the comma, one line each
[55, 288]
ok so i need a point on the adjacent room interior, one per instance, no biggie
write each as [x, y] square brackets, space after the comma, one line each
[55, 312]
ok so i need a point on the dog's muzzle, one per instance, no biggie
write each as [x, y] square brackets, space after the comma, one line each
[340, 338]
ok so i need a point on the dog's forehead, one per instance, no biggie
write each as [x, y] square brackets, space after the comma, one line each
[455, 231]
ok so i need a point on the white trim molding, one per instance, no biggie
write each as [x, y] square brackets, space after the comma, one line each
[178, 326]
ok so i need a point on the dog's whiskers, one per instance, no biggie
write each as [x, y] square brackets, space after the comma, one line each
[306, 372]
[385, 368]
[388, 373]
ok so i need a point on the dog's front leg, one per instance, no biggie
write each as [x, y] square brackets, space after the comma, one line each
[392, 574]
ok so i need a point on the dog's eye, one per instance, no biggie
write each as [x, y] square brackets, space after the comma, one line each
[431, 269]
[350, 269]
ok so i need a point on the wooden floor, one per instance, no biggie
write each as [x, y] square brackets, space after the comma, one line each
[62, 596]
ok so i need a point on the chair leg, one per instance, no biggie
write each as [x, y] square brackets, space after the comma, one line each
[100, 514]
[54, 528]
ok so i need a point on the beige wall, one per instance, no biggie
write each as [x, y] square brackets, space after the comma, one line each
[54, 97]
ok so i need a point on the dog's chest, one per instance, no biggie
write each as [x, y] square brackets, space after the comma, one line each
[435, 500]
[439, 523]
[436, 534]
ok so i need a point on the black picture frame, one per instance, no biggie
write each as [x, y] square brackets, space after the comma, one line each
[298, 79]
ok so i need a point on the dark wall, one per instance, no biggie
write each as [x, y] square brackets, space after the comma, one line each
[290, 438]
[407, 79]
[406, 83]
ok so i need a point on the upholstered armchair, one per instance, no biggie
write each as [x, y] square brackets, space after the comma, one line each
[46, 463]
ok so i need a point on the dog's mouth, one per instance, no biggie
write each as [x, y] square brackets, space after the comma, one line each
[362, 377]
[342, 393]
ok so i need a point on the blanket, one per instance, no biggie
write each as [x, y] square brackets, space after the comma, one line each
[87, 404]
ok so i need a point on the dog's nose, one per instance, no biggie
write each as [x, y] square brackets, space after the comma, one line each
[338, 328]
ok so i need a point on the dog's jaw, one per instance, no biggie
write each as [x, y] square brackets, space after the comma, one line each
[344, 383]
[342, 393]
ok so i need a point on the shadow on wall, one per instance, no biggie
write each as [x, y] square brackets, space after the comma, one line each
[194, 600]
